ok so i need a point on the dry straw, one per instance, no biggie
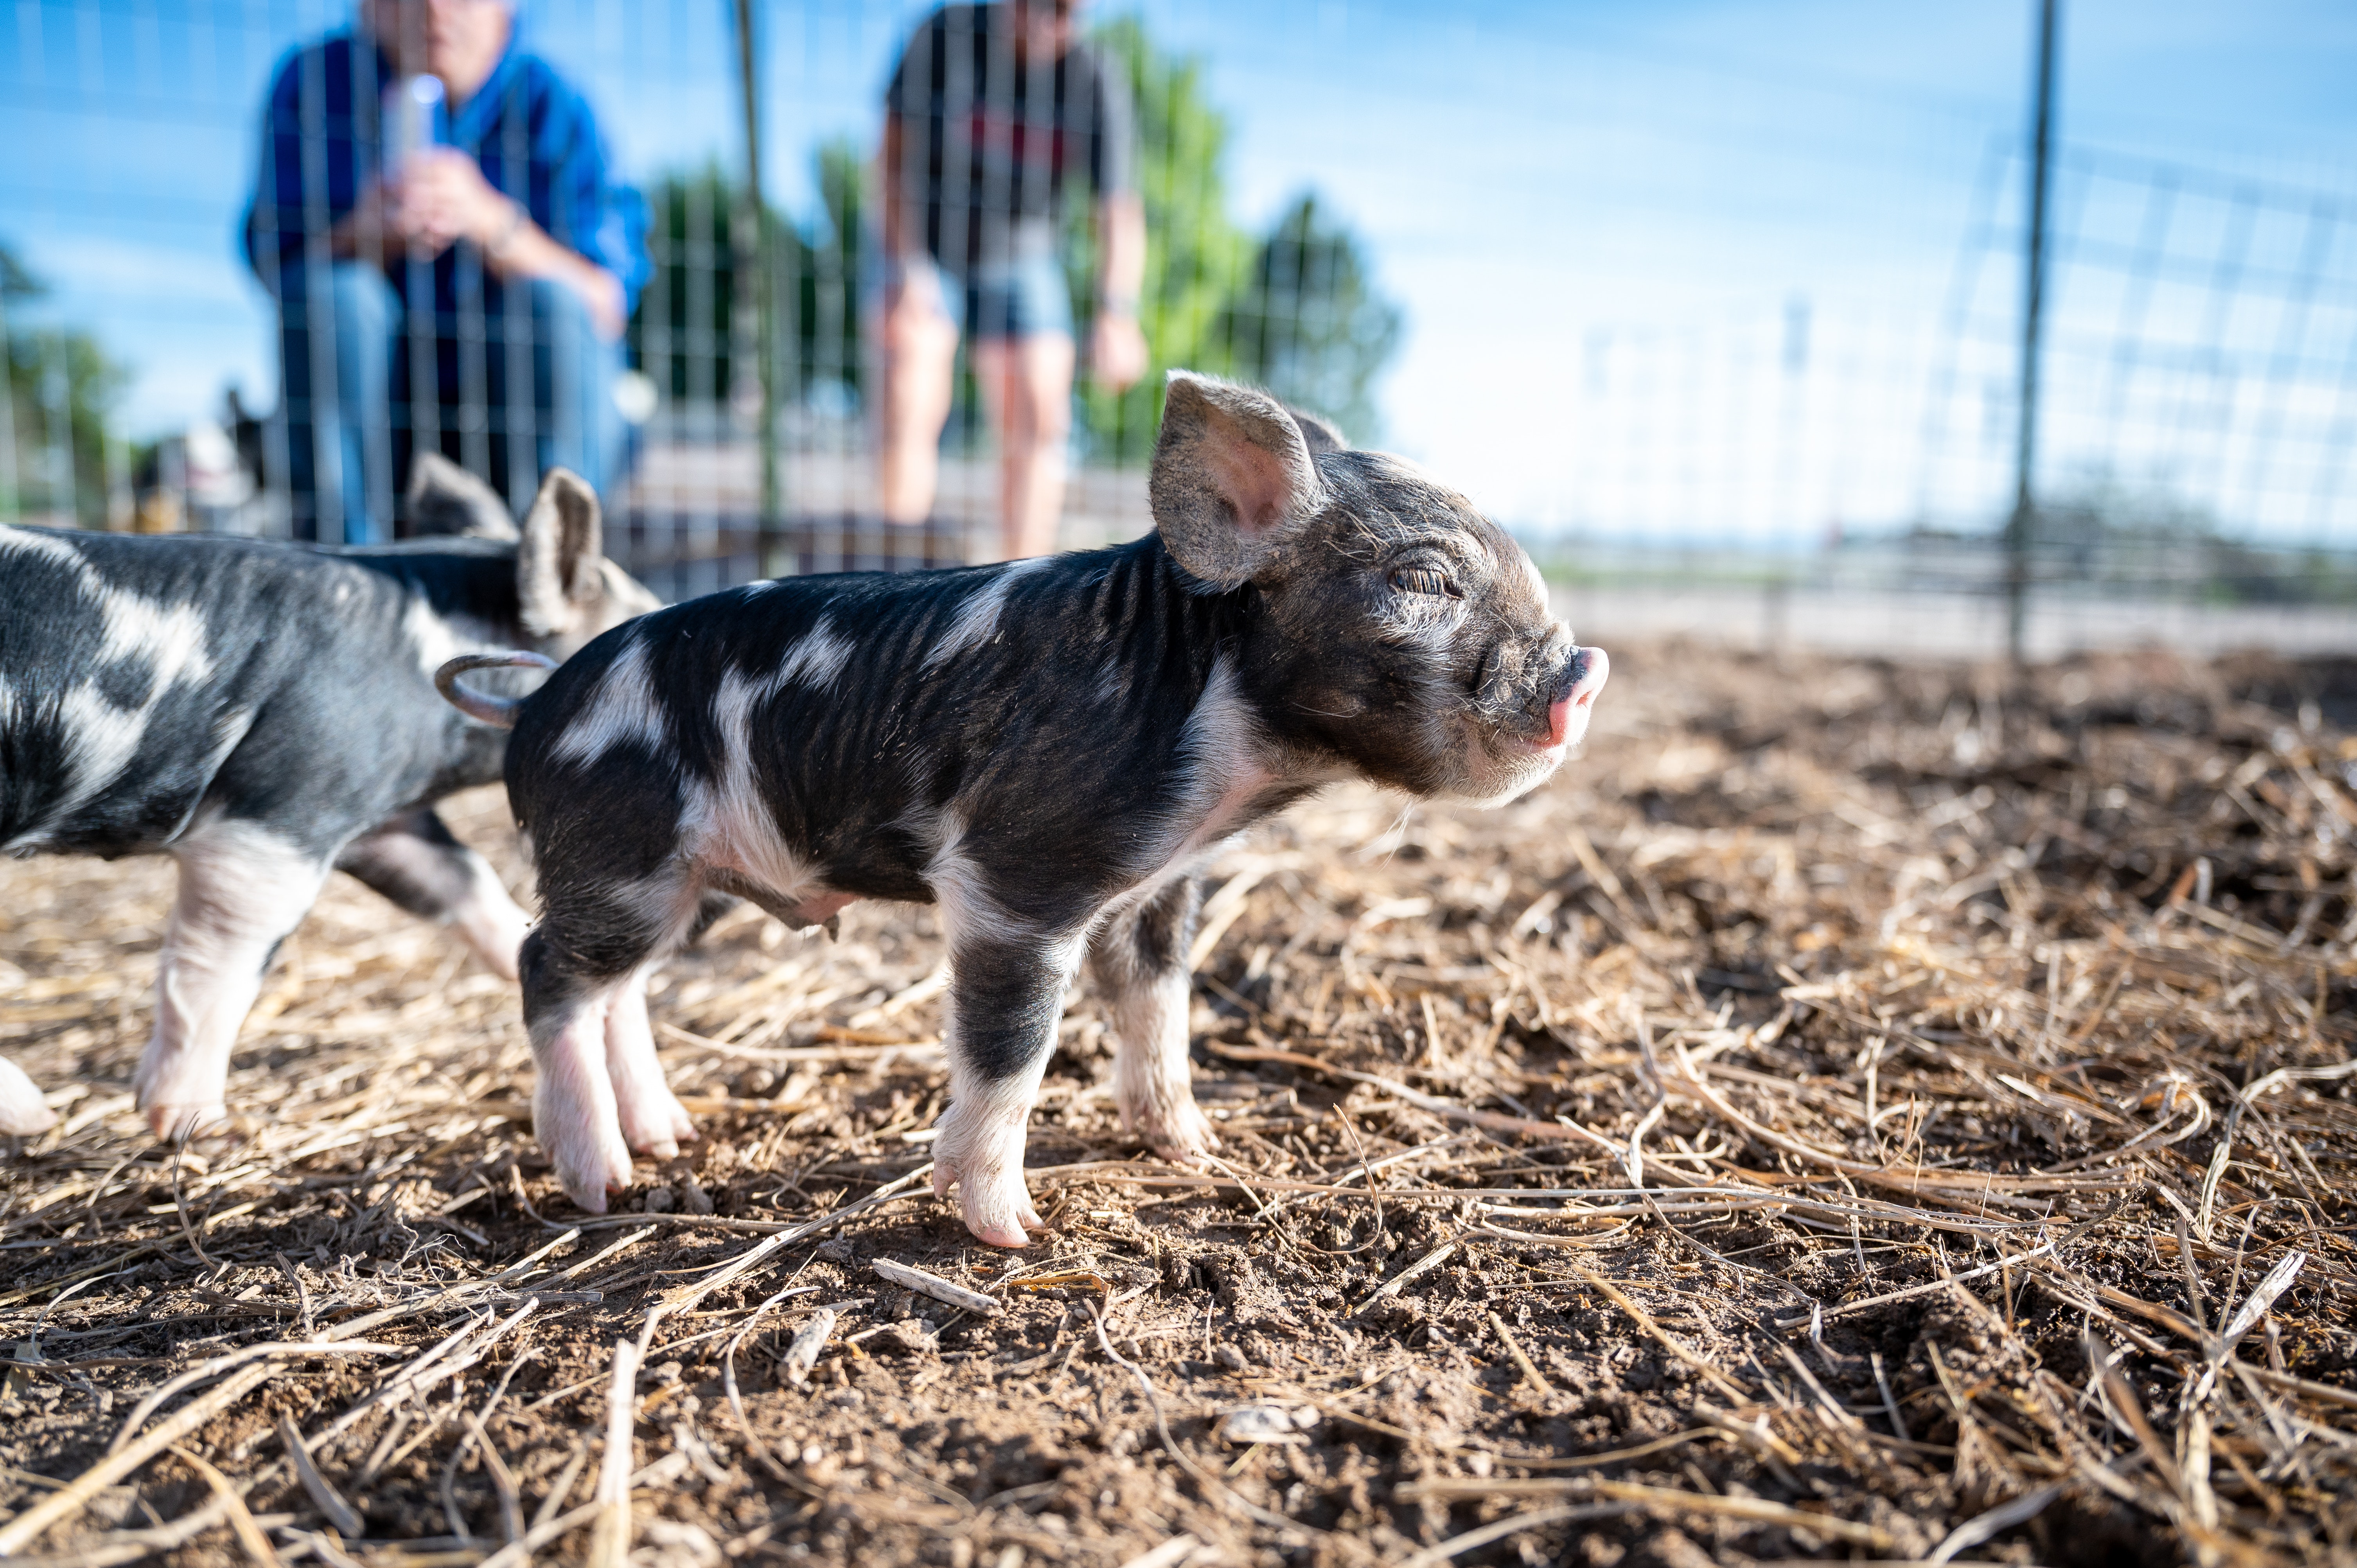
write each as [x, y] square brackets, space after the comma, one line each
[1858, 1109]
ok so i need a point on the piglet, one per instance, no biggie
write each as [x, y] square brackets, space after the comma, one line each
[263, 714]
[1049, 750]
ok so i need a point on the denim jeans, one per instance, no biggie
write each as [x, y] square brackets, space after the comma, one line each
[515, 392]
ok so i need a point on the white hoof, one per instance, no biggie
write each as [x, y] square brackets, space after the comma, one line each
[22, 1113]
[1157, 1098]
[654, 1121]
[184, 1123]
[1180, 1132]
[177, 1098]
[981, 1155]
[583, 1140]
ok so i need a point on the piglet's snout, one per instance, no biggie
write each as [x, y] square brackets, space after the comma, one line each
[1583, 676]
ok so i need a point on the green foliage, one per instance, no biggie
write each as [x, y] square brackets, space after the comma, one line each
[61, 387]
[1294, 309]
[1195, 257]
[685, 333]
[1308, 324]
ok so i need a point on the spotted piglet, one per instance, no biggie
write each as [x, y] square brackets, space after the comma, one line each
[263, 714]
[1049, 750]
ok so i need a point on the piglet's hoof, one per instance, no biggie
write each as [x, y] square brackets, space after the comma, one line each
[22, 1111]
[1186, 1139]
[979, 1151]
[654, 1122]
[1172, 1126]
[992, 1200]
[590, 1159]
[186, 1124]
[588, 1189]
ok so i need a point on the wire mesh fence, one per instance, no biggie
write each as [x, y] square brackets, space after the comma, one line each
[2200, 402]
[855, 284]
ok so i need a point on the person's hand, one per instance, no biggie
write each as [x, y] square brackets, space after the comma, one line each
[913, 308]
[1117, 351]
[442, 198]
[373, 224]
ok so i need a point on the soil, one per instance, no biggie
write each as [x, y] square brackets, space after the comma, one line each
[1843, 1107]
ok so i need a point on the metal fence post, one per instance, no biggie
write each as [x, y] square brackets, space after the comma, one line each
[2033, 306]
[749, 239]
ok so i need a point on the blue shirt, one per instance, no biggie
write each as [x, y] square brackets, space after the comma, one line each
[533, 134]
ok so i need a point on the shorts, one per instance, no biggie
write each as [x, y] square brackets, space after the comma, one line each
[1023, 298]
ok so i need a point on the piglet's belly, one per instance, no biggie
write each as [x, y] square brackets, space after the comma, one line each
[817, 911]
[803, 906]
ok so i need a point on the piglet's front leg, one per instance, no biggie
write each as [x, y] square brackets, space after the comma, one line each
[1006, 994]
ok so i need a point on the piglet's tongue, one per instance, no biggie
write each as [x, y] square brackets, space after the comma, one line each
[1591, 670]
[1558, 718]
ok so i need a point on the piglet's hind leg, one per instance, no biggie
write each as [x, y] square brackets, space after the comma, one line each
[652, 1120]
[1139, 964]
[572, 1110]
[242, 889]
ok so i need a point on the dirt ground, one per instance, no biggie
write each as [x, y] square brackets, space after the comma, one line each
[1857, 1113]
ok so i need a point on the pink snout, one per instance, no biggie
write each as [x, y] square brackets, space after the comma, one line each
[1567, 716]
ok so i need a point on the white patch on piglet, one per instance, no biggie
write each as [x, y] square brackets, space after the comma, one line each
[622, 711]
[101, 736]
[46, 545]
[438, 638]
[728, 822]
[815, 660]
[977, 621]
[170, 638]
[1221, 750]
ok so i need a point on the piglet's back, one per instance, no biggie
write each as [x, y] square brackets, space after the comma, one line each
[854, 698]
[134, 667]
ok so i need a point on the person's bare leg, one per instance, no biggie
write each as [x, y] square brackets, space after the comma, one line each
[920, 351]
[1028, 381]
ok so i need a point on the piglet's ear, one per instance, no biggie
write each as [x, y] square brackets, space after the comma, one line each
[558, 581]
[1320, 434]
[1233, 483]
[445, 501]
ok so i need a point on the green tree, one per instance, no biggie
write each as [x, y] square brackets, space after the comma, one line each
[683, 333]
[1308, 324]
[1296, 311]
[824, 275]
[1195, 256]
[62, 388]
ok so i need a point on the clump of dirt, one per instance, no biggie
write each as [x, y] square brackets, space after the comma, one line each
[1858, 1110]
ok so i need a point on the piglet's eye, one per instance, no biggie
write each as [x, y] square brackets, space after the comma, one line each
[1423, 580]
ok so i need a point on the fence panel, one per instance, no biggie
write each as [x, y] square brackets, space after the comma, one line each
[1843, 438]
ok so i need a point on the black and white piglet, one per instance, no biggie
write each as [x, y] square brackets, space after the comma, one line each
[265, 713]
[1047, 749]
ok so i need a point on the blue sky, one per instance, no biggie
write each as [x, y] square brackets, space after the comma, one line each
[1603, 219]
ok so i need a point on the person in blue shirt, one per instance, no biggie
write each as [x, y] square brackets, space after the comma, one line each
[464, 293]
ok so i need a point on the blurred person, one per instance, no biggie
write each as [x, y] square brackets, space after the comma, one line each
[993, 110]
[467, 296]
